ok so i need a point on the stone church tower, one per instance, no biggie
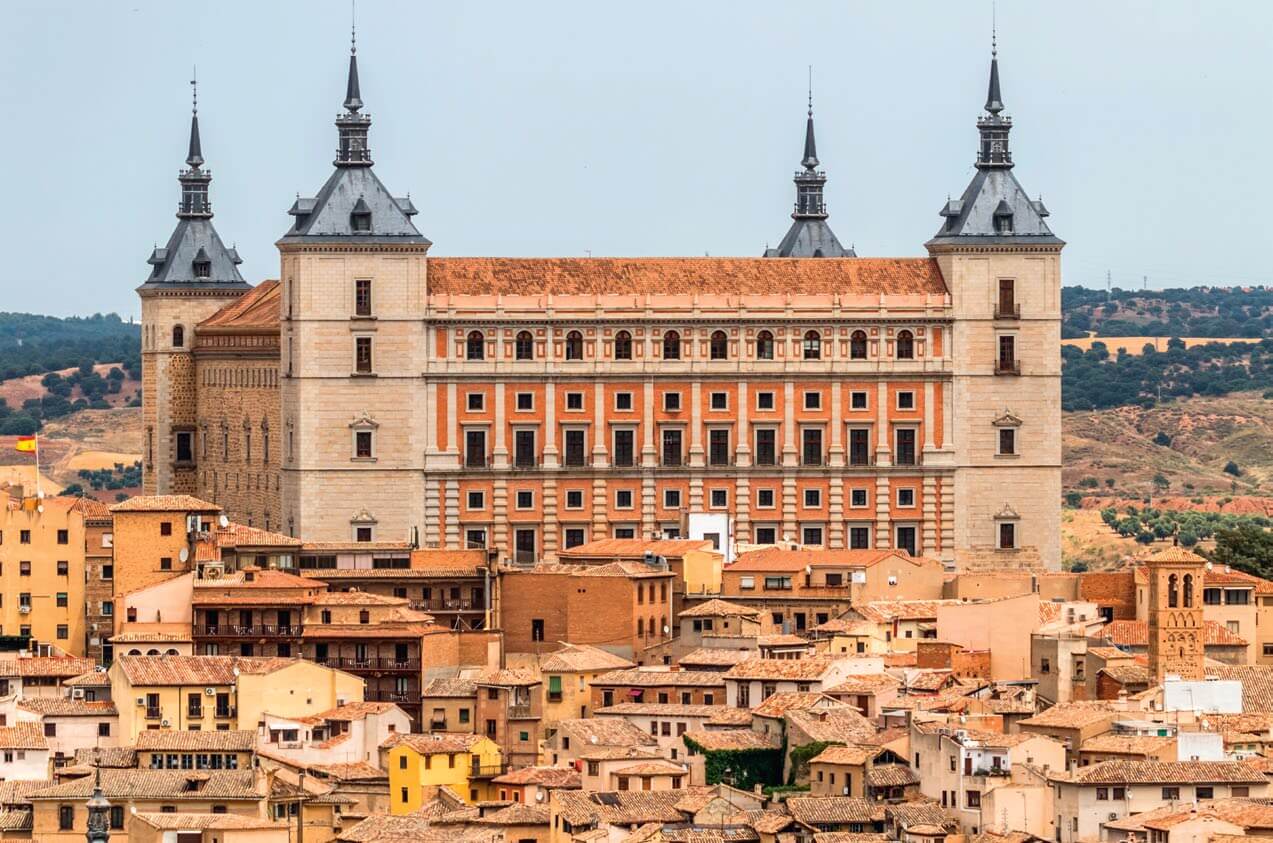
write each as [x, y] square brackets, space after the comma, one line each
[192, 276]
[1176, 634]
[353, 304]
[1003, 266]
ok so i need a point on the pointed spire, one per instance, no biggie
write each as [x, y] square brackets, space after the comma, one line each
[810, 161]
[994, 126]
[195, 156]
[994, 100]
[352, 126]
[353, 98]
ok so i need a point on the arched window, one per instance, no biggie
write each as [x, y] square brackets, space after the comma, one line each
[524, 347]
[178, 336]
[476, 347]
[905, 345]
[671, 346]
[1173, 594]
[857, 345]
[171, 652]
[574, 346]
[720, 346]
[764, 346]
[152, 652]
[1188, 591]
[812, 345]
[623, 346]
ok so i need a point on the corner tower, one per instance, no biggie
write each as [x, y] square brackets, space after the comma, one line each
[1176, 634]
[1002, 264]
[192, 276]
[810, 236]
[352, 269]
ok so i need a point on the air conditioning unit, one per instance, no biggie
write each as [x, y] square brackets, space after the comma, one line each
[209, 692]
[24, 610]
[77, 693]
[164, 724]
[1113, 816]
[141, 700]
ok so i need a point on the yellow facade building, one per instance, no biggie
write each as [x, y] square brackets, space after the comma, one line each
[419, 764]
[221, 692]
[154, 538]
[568, 675]
[42, 549]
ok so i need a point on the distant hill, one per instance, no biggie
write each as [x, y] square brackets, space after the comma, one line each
[1192, 312]
[34, 345]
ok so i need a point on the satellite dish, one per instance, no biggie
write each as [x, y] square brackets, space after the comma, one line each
[223, 521]
[539, 796]
[40, 494]
[184, 554]
[39, 507]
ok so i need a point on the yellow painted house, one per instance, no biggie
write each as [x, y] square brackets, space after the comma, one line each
[418, 764]
[568, 674]
[221, 692]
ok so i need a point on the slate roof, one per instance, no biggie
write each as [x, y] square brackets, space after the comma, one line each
[173, 263]
[326, 217]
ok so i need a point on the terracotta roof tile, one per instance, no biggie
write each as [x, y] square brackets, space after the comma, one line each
[1130, 633]
[241, 535]
[604, 731]
[623, 807]
[46, 666]
[258, 308]
[23, 736]
[1121, 771]
[776, 705]
[124, 785]
[816, 811]
[549, 777]
[629, 277]
[652, 768]
[806, 669]
[634, 548]
[194, 670]
[891, 775]
[851, 755]
[717, 740]
[660, 678]
[212, 822]
[165, 503]
[68, 707]
[163, 740]
[715, 657]
[576, 658]
[783, 559]
[516, 814]
[717, 608]
[888, 610]
[449, 687]
[1070, 716]
[434, 743]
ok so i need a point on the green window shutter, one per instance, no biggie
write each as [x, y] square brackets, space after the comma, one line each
[554, 684]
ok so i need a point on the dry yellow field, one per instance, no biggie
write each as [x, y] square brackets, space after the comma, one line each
[24, 475]
[1135, 345]
[93, 460]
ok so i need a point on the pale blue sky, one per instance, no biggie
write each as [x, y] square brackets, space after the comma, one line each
[651, 128]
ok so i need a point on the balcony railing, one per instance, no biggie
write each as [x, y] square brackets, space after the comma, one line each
[194, 713]
[370, 663]
[265, 630]
[223, 712]
[1007, 367]
[377, 695]
[154, 714]
[1007, 311]
[486, 771]
[520, 712]
[526, 463]
[437, 726]
[447, 605]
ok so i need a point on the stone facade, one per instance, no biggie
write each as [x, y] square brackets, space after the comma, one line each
[1177, 640]
[527, 406]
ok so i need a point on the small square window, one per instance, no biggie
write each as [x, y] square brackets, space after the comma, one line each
[24, 569]
[813, 400]
[764, 535]
[906, 400]
[857, 497]
[622, 498]
[719, 498]
[857, 401]
[625, 532]
[477, 500]
[476, 402]
[720, 400]
[574, 499]
[764, 400]
[812, 498]
[473, 539]
[672, 401]
[575, 536]
[764, 498]
[671, 498]
[811, 535]
[623, 401]
[525, 499]
[165, 529]
[905, 497]
[574, 401]
[63, 568]
[525, 402]
[362, 534]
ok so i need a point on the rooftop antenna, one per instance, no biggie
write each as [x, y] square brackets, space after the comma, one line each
[353, 27]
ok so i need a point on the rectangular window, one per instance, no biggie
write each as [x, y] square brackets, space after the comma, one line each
[906, 498]
[812, 498]
[672, 446]
[524, 455]
[811, 446]
[62, 600]
[574, 499]
[764, 400]
[859, 446]
[476, 401]
[575, 448]
[1171, 794]
[622, 498]
[525, 499]
[24, 569]
[63, 568]
[766, 535]
[766, 446]
[1007, 299]
[904, 446]
[624, 447]
[718, 446]
[185, 449]
[574, 401]
[764, 498]
[475, 448]
[623, 401]
[671, 498]
[1007, 441]
[1206, 792]
[857, 401]
[906, 400]
[1007, 354]
[859, 538]
[672, 402]
[720, 401]
[813, 400]
[811, 535]
[857, 498]
[574, 536]
[476, 500]
[362, 444]
[362, 297]
[719, 498]
[906, 539]
[1007, 535]
[475, 538]
[525, 402]
[362, 355]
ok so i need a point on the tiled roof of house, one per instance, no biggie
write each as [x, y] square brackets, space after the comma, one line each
[776, 705]
[550, 777]
[808, 669]
[355, 598]
[717, 740]
[1127, 674]
[577, 658]
[107, 756]
[852, 755]
[200, 785]
[91, 679]
[415, 828]
[911, 814]
[891, 775]
[30, 666]
[507, 678]
[434, 743]
[241, 535]
[623, 807]
[646, 769]
[165, 503]
[358, 710]
[258, 308]
[618, 753]
[1109, 653]
[665, 710]
[353, 771]
[1069, 717]
[866, 683]
[16, 820]
[780, 559]
[1121, 771]
[1131, 633]
[730, 716]
[23, 736]
[661, 678]
[715, 657]
[165, 740]
[516, 814]
[195, 670]
[634, 548]
[1257, 684]
[839, 725]
[67, 707]
[849, 837]
[630, 277]
[717, 608]
[211, 822]
[1175, 553]
[604, 731]
[815, 811]
[888, 610]
[148, 634]
[449, 687]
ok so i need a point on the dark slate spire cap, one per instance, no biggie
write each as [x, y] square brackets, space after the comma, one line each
[195, 156]
[353, 97]
[353, 127]
[810, 161]
[994, 100]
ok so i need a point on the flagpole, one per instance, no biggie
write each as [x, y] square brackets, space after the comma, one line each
[37, 466]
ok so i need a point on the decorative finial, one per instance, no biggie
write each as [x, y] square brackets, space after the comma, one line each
[810, 90]
[353, 27]
[994, 31]
[194, 90]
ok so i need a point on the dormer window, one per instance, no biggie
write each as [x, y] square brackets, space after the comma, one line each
[360, 217]
[202, 269]
[1003, 218]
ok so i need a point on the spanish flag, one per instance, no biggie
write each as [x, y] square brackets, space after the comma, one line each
[25, 443]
